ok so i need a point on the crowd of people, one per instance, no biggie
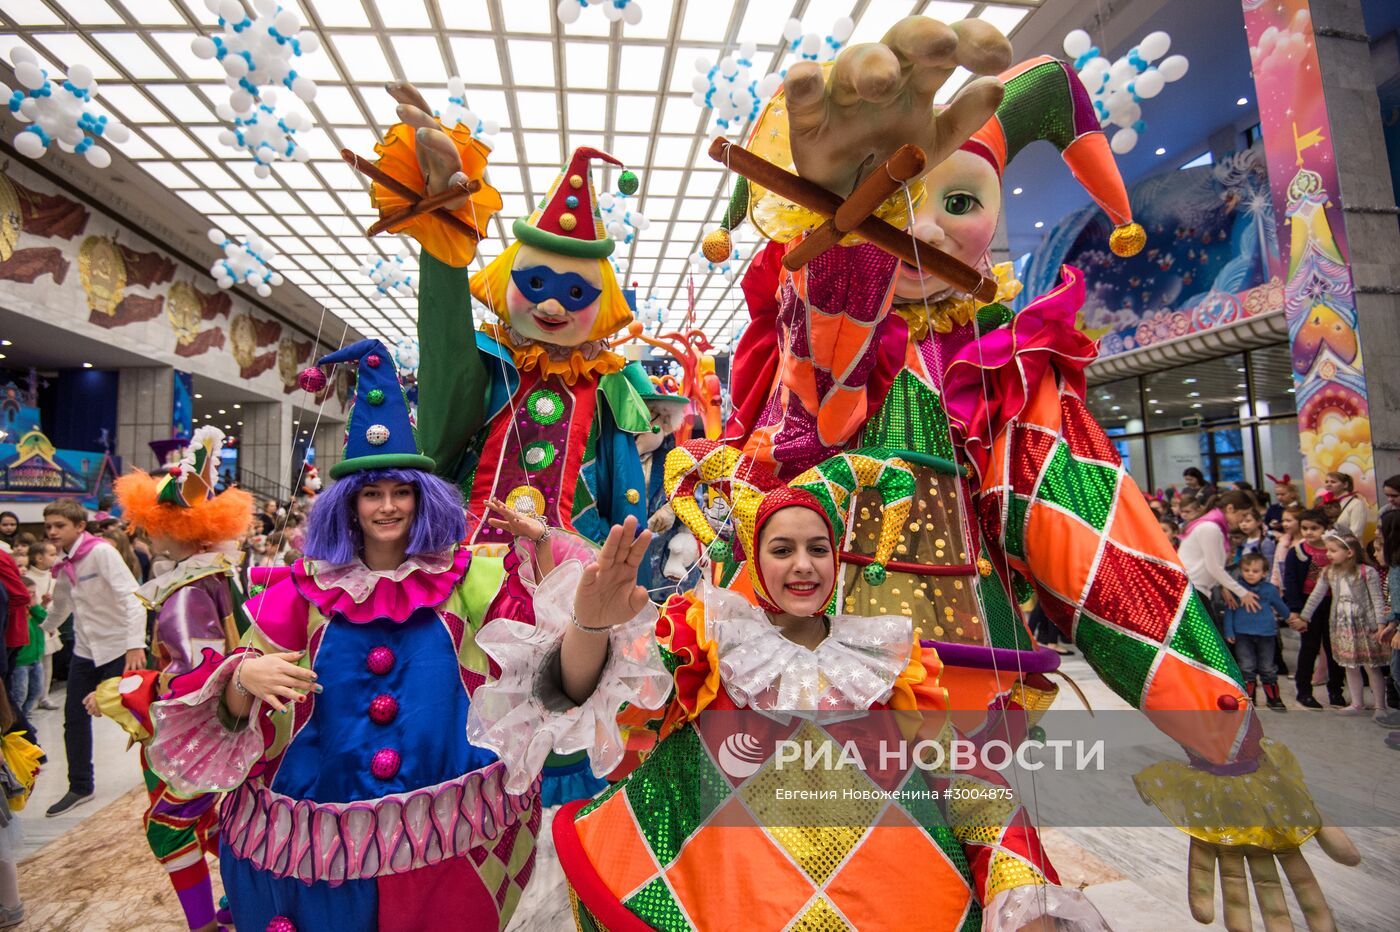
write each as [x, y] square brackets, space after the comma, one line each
[1268, 564]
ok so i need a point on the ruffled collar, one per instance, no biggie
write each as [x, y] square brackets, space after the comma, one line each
[951, 307]
[590, 360]
[360, 594]
[853, 669]
[208, 563]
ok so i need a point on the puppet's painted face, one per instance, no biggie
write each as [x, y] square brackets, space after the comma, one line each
[959, 216]
[553, 298]
[666, 418]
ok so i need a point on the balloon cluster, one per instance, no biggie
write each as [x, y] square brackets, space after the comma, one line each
[811, 46]
[258, 54]
[622, 223]
[59, 111]
[729, 88]
[406, 356]
[389, 275]
[263, 134]
[247, 263]
[629, 11]
[1118, 89]
[457, 113]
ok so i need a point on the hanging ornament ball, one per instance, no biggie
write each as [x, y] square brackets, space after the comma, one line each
[721, 551]
[1036, 734]
[281, 924]
[875, 574]
[372, 360]
[1228, 703]
[375, 396]
[717, 246]
[1127, 240]
[627, 182]
[312, 379]
[377, 434]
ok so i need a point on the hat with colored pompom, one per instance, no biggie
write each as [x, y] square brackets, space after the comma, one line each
[1046, 100]
[380, 432]
[567, 221]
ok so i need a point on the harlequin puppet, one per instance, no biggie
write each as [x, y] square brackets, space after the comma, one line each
[532, 409]
[1020, 492]
[197, 604]
[363, 806]
[688, 842]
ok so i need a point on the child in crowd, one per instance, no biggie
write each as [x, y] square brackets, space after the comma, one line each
[1355, 618]
[1168, 525]
[1288, 537]
[1254, 635]
[42, 556]
[1256, 539]
[1301, 570]
[26, 682]
[97, 588]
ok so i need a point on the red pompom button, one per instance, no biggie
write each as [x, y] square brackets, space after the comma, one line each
[383, 709]
[372, 360]
[385, 764]
[380, 660]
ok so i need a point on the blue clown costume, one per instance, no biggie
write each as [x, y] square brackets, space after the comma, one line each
[364, 806]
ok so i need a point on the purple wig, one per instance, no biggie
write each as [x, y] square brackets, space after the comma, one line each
[333, 534]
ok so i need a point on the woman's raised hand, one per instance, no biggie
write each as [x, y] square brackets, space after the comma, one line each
[608, 593]
[513, 522]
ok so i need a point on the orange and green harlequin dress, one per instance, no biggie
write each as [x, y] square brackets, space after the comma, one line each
[683, 843]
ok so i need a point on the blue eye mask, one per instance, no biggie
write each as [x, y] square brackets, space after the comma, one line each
[539, 283]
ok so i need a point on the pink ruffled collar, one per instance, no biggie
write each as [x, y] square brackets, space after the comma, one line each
[360, 594]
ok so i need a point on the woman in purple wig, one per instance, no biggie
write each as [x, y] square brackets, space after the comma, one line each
[339, 728]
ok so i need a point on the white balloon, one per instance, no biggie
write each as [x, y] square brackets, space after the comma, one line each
[21, 54]
[1124, 140]
[117, 132]
[568, 11]
[231, 11]
[310, 42]
[792, 29]
[216, 236]
[29, 145]
[1154, 45]
[80, 76]
[1173, 68]
[98, 157]
[841, 30]
[1077, 42]
[30, 75]
[1149, 84]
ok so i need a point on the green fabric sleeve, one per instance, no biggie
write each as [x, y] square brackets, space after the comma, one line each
[453, 381]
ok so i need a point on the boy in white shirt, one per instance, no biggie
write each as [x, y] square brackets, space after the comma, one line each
[109, 631]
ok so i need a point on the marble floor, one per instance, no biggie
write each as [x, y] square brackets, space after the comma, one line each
[90, 871]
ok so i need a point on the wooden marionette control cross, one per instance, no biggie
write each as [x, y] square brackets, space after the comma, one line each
[418, 203]
[855, 214]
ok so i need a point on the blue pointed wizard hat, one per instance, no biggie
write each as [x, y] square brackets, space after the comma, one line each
[380, 433]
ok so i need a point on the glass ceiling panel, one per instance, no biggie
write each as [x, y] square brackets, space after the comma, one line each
[622, 88]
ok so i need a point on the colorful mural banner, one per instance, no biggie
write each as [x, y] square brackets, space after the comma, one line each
[1212, 256]
[1334, 424]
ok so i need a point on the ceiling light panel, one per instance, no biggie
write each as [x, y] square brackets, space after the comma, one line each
[625, 89]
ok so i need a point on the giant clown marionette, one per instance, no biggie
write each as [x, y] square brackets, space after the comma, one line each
[533, 409]
[1019, 491]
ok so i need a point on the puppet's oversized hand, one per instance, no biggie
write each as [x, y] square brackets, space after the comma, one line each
[1206, 859]
[437, 155]
[880, 97]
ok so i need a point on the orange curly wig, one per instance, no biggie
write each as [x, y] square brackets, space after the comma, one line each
[223, 517]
